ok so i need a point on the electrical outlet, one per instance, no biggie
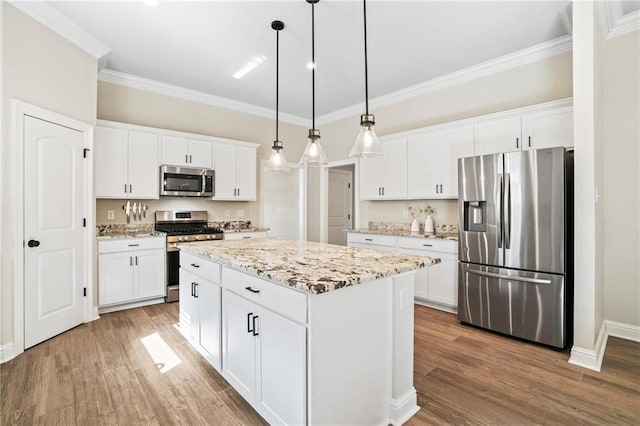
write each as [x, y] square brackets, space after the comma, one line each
[405, 214]
[227, 213]
[240, 213]
[111, 215]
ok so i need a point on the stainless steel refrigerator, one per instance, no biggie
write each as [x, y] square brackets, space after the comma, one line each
[515, 245]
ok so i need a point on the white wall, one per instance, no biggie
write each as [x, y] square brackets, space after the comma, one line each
[620, 199]
[43, 69]
[128, 105]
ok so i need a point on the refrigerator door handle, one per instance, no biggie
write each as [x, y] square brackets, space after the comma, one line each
[509, 277]
[507, 210]
[499, 193]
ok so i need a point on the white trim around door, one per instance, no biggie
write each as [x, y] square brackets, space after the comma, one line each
[19, 111]
[324, 195]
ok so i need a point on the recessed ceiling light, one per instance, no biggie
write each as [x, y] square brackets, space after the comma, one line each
[311, 65]
[249, 66]
[151, 3]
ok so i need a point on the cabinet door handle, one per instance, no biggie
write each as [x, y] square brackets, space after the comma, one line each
[244, 238]
[249, 330]
[190, 159]
[130, 260]
[436, 188]
[238, 192]
[136, 260]
[529, 141]
[252, 290]
[134, 245]
[186, 158]
[195, 290]
[368, 239]
[517, 142]
[130, 188]
[383, 190]
[441, 191]
[253, 322]
[428, 245]
[195, 265]
[192, 289]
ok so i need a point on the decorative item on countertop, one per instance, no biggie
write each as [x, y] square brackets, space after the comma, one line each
[415, 227]
[428, 222]
[137, 209]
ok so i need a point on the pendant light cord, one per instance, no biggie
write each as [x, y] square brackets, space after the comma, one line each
[277, 78]
[313, 69]
[366, 70]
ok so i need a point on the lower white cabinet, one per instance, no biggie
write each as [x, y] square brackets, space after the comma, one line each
[201, 306]
[437, 285]
[130, 270]
[244, 235]
[264, 359]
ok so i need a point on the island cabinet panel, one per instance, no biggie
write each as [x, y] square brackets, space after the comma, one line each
[264, 355]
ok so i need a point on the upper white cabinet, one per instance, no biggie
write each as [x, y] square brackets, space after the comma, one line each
[385, 177]
[532, 128]
[549, 128]
[433, 161]
[187, 152]
[126, 163]
[235, 168]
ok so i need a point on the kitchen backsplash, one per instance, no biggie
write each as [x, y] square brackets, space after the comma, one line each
[404, 226]
[142, 228]
[218, 210]
[444, 211]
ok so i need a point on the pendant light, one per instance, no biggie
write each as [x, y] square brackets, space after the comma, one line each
[367, 143]
[277, 161]
[313, 154]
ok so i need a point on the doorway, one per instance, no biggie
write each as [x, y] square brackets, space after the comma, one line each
[54, 224]
[338, 206]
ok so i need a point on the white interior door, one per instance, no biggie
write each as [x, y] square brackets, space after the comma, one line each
[283, 203]
[340, 205]
[54, 253]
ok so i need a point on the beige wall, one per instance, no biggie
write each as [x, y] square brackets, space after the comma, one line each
[620, 198]
[127, 105]
[41, 68]
[542, 81]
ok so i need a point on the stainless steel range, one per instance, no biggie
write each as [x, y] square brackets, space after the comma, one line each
[182, 227]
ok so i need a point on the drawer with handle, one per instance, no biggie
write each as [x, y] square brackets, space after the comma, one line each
[200, 266]
[129, 244]
[285, 301]
[380, 240]
[431, 244]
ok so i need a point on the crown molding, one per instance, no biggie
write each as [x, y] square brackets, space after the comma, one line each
[522, 57]
[154, 86]
[63, 26]
[613, 22]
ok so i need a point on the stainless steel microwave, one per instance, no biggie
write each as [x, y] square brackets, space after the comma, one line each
[176, 181]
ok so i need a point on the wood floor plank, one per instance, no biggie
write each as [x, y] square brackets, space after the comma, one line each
[101, 373]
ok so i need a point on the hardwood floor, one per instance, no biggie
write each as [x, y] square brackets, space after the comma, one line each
[102, 373]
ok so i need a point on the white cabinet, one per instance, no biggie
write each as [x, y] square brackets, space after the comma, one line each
[550, 128]
[201, 305]
[385, 177]
[179, 151]
[126, 164]
[436, 285]
[130, 270]
[264, 356]
[535, 128]
[371, 241]
[433, 161]
[235, 168]
[244, 235]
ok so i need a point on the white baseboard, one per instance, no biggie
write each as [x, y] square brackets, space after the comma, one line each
[403, 408]
[591, 358]
[623, 331]
[114, 308]
[7, 352]
[95, 314]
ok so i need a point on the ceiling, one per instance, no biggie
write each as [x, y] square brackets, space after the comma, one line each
[200, 45]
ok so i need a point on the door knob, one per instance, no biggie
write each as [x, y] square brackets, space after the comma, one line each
[33, 243]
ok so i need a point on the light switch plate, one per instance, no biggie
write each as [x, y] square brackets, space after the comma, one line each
[240, 213]
[227, 213]
[111, 215]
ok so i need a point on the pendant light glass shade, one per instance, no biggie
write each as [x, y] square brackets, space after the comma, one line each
[277, 161]
[367, 144]
[313, 154]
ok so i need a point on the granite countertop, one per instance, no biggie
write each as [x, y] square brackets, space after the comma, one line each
[104, 232]
[405, 233]
[313, 267]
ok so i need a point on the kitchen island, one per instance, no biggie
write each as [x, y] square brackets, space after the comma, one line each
[307, 333]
